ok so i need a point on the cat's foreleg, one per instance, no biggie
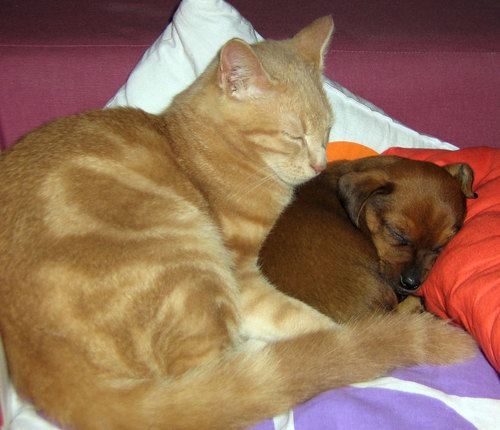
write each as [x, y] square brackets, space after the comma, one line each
[269, 315]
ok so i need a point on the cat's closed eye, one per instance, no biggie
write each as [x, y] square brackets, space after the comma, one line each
[294, 137]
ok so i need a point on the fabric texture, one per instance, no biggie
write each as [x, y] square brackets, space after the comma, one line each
[342, 150]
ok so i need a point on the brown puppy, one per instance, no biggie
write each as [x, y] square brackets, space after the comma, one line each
[365, 233]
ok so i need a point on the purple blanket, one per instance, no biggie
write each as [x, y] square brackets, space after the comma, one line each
[463, 396]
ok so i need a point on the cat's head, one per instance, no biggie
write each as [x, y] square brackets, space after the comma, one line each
[272, 92]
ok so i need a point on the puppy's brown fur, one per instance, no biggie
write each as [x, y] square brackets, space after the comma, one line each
[365, 232]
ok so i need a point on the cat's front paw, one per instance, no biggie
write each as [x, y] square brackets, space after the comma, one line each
[444, 343]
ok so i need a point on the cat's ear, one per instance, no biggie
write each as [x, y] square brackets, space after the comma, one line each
[240, 73]
[313, 41]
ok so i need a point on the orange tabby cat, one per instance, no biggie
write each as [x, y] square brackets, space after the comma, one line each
[131, 296]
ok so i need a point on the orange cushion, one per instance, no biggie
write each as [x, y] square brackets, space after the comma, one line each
[341, 150]
[464, 284]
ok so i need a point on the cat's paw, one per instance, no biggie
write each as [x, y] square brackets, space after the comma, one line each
[443, 343]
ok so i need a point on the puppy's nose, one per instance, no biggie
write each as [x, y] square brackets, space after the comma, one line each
[410, 280]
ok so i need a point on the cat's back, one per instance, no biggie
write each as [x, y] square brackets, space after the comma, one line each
[118, 143]
[108, 173]
[103, 133]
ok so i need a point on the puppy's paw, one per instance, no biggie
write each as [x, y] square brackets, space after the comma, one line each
[411, 305]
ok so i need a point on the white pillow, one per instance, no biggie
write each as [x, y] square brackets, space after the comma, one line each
[198, 30]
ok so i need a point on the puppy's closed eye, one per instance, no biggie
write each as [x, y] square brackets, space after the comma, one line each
[396, 234]
[454, 230]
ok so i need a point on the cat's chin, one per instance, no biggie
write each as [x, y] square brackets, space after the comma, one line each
[289, 178]
[294, 181]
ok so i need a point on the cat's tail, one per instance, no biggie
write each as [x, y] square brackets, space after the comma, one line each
[252, 385]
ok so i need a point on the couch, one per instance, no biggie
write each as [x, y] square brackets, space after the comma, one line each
[432, 66]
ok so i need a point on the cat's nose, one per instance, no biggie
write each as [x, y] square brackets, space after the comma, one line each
[318, 167]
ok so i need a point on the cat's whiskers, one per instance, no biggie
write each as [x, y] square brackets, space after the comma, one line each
[250, 186]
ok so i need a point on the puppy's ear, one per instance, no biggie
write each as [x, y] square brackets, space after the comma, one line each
[355, 189]
[464, 174]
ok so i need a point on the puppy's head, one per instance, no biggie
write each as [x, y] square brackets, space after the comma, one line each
[410, 209]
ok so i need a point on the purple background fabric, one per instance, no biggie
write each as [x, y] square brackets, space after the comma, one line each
[477, 378]
[377, 408]
[431, 65]
[369, 409]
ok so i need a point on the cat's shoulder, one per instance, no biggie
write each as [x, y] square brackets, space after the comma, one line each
[117, 119]
[89, 130]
